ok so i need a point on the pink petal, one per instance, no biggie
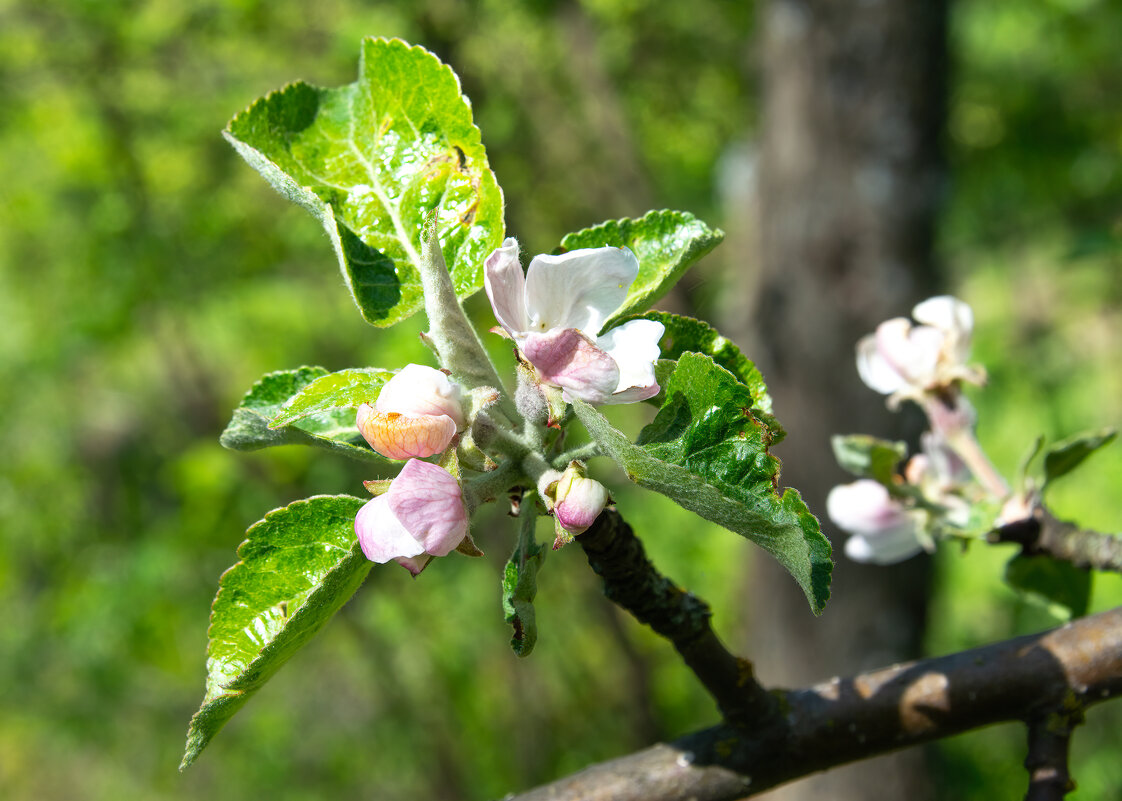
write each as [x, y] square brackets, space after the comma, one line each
[381, 535]
[567, 358]
[506, 286]
[414, 564]
[428, 502]
[579, 289]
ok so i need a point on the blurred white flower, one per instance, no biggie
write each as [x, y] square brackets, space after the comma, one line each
[882, 530]
[906, 361]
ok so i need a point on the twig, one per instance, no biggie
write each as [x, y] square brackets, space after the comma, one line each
[1049, 738]
[632, 582]
[845, 720]
[1044, 534]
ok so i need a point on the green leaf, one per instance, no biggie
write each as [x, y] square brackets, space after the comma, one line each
[687, 335]
[335, 430]
[1060, 587]
[666, 242]
[709, 453]
[370, 160]
[344, 390]
[868, 457]
[520, 586]
[298, 567]
[1063, 457]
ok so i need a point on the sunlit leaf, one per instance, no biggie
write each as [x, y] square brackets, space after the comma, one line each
[685, 334]
[1063, 457]
[335, 430]
[1059, 586]
[345, 389]
[370, 160]
[667, 244]
[706, 451]
[298, 567]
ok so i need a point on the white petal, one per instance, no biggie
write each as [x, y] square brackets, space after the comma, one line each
[420, 390]
[864, 508]
[947, 314]
[506, 287]
[381, 535]
[634, 346]
[875, 370]
[578, 289]
[913, 352]
[882, 550]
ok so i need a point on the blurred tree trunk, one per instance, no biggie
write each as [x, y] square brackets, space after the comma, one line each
[850, 178]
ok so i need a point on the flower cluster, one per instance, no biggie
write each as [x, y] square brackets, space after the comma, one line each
[925, 363]
[555, 314]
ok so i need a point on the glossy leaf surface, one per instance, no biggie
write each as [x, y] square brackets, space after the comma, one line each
[249, 428]
[371, 160]
[667, 244]
[706, 451]
[298, 567]
[342, 390]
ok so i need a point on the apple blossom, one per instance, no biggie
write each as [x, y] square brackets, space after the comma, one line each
[422, 515]
[882, 530]
[554, 314]
[908, 361]
[417, 414]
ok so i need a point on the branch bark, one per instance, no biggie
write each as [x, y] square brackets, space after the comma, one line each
[632, 582]
[1043, 534]
[844, 720]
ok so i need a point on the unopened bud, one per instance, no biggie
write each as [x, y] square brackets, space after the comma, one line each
[578, 500]
[419, 390]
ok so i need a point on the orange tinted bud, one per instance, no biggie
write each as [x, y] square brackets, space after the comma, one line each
[404, 436]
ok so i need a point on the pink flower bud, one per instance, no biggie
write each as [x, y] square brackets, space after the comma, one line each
[578, 500]
[421, 516]
[417, 414]
[418, 390]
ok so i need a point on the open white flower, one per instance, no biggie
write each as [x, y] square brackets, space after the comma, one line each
[908, 361]
[554, 314]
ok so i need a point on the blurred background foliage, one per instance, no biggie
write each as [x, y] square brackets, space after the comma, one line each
[148, 277]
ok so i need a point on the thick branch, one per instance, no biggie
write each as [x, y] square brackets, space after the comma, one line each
[845, 720]
[631, 581]
[1044, 534]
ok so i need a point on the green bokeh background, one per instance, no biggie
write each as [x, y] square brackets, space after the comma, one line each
[147, 277]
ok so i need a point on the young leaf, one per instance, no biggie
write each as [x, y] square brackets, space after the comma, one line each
[370, 160]
[1059, 586]
[298, 567]
[248, 429]
[520, 585]
[706, 451]
[344, 390]
[866, 456]
[685, 334]
[1063, 457]
[666, 242]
